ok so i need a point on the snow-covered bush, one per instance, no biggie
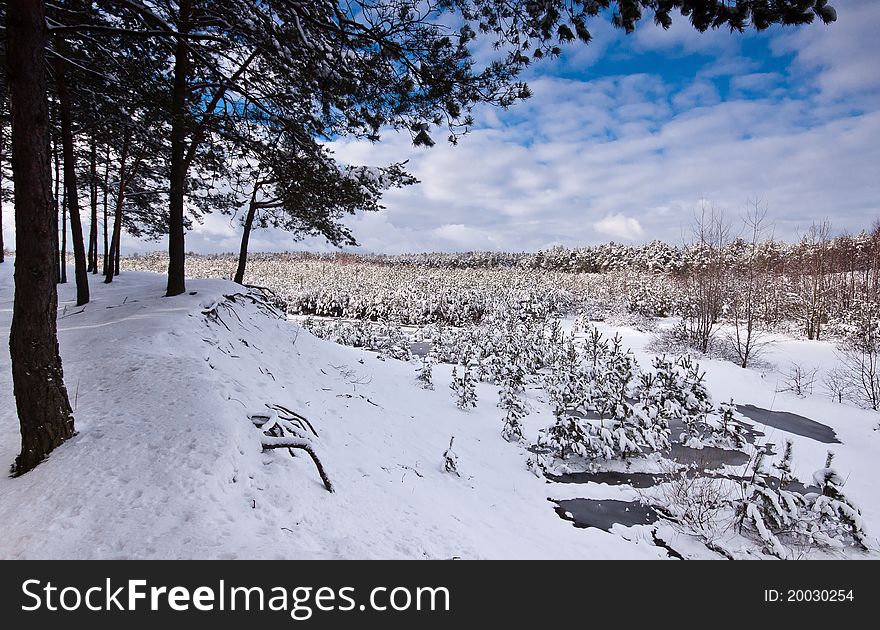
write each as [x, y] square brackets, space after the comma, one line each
[450, 459]
[694, 399]
[789, 523]
[838, 520]
[510, 399]
[425, 373]
[694, 504]
[593, 395]
[727, 432]
[463, 387]
[676, 390]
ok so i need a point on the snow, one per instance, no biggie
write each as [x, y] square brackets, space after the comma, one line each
[167, 462]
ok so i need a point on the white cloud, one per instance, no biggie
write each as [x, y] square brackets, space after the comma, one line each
[841, 59]
[620, 227]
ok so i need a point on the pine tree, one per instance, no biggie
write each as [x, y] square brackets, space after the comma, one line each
[768, 511]
[567, 437]
[510, 400]
[565, 383]
[41, 399]
[838, 516]
[782, 518]
[783, 466]
[695, 400]
[730, 431]
[464, 387]
[450, 459]
[425, 375]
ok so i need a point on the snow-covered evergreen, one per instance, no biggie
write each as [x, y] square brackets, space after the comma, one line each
[463, 387]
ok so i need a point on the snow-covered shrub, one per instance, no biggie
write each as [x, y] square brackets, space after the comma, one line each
[593, 394]
[450, 459]
[783, 466]
[727, 432]
[839, 520]
[463, 387]
[789, 523]
[673, 340]
[569, 436]
[564, 383]
[837, 384]
[771, 513]
[694, 398]
[676, 390]
[510, 399]
[425, 373]
[393, 343]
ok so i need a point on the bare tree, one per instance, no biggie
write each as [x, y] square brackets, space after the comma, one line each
[799, 380]
[706, 278]
[749, 282]
[814, 278]
[860, 358]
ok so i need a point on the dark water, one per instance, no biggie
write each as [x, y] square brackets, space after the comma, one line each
[706, 461]
[790, 422]
[706, 458]
[604, 513]
[612, 478]
[420, 348]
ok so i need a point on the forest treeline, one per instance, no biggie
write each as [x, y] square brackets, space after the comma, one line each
[848, 253]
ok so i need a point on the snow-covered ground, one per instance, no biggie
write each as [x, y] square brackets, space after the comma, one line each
[167, 464]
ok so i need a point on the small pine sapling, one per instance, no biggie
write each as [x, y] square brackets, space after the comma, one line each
[450, 459]
[566, 437]
[838, 517]
[695, 400]
[784, 518]
[783, 466]
[510, 400]
[425, 373]
[767, 511]
[729, 432]
[464, 388]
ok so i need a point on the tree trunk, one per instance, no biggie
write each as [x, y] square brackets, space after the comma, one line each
[37, 377]
[245, 237]
[2, 146]
[176, 246]
[56, 208]
[106, 216]
[93, 199]
[71, 191]
[62, 260]
[110, 263]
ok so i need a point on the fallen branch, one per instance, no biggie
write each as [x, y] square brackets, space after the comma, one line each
[72, 313]
[293, 416]
[270, 442]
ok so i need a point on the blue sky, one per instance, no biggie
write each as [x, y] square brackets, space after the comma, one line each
[624, 137]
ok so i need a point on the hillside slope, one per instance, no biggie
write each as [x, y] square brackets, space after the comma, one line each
[167, 464]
